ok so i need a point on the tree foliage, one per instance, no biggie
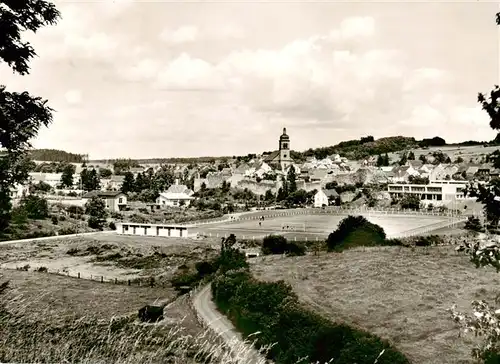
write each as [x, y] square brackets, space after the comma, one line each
[298, 335]
[55, 155]
[90, 180]
[485, 320]
[67, 175]
[21, 114]
[95, 207]
[278, 244]
[36, 207]
[355, 231]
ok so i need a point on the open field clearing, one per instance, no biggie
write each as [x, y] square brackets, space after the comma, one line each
[51, 296]
[317, 226]
[111, 256]
[392, 292]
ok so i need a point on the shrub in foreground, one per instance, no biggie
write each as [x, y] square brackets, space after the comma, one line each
[271, 309]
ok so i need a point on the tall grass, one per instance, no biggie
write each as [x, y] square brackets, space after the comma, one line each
[28, 339]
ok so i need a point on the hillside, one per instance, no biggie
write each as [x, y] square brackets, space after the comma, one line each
[364, 147]
[55, 155]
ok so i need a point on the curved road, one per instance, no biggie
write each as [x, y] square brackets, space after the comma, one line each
[222, 326]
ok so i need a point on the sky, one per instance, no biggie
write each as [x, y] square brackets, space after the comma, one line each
[138, 79]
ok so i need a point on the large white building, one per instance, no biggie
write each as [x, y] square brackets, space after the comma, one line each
[436, 192]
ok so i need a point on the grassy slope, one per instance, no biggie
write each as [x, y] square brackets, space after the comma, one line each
[392, 292]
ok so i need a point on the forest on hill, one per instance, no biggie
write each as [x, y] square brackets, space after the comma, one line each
[55, 155]
[352, 149]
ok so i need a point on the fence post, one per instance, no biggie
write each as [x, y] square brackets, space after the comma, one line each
[128, 282]
[102, 279]
[78, 274]
[116, 280]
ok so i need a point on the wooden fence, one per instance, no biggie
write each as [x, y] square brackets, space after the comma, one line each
[136, 282]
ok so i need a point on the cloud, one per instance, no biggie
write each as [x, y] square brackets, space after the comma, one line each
[73, 97]
[318, 80]
[184, 34]
[188, 73]
[355, 27]
[190, 34]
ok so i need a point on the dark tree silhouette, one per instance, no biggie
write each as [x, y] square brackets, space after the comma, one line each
[21, 114]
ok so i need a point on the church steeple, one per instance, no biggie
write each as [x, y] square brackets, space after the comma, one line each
[284, 150]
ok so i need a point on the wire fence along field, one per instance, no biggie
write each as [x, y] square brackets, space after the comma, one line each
[137, 282]
[316, 224]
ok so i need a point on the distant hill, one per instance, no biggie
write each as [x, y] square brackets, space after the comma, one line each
[361, 148]
[55, 155]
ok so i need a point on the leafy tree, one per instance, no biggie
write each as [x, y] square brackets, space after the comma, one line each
[269, 196]
[403, 159]
[128, 184]
[40, 187]
[410, 201]
[95, 207]
[473, 223]
[459, 160]
[21, 114]
[67, 175]
[90, 180]
[418, 180]
[292, 180]
[140, 183]
[278, 244]
[380, 161]
[423, 158]
[411, 156]
[36, 207]
[105, 172]
[355, 231]
[383, 160]
[120, 166]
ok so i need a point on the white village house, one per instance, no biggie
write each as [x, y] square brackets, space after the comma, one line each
[324, 197]
[114, 200]
[176, 195]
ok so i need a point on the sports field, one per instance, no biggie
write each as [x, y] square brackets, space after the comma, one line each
[315, 225]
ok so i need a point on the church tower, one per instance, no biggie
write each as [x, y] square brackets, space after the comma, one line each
[284, 149]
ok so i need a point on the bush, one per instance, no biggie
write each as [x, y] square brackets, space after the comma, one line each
[75, 210]
[277, 244]
[410, 202]
[55, 220]
[72, 194]
[68, 231]
[36, 207]
[112, 225]
[355, 231]
[428, 240]
[473, 223]
[62, 218]
[94, 223]
[271, 309]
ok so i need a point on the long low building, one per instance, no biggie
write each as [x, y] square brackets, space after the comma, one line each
[435, 191]
[144, 229]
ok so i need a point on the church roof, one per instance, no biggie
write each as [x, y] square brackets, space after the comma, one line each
[271, 157]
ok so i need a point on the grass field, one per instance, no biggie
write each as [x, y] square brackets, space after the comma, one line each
[316, 225]
[110, 256]
[392, 292]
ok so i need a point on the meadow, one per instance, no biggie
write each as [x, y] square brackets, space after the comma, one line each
[397, 293]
